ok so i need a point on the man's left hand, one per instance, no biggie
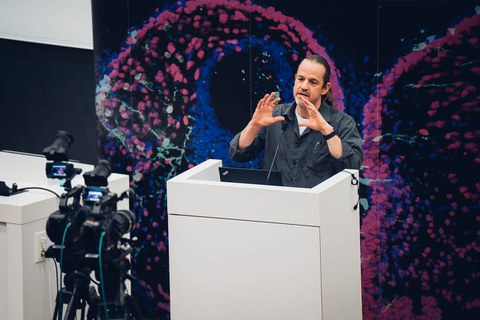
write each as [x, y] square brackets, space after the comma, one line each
[315, 120]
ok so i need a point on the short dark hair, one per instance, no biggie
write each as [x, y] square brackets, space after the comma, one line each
[326, 77]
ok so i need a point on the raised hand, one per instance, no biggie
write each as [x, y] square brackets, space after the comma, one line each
[261, 117]
[317, 122]
[263, 113]
[315, 119]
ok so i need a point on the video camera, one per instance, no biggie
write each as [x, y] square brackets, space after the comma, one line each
[88, 211]
[87, 231]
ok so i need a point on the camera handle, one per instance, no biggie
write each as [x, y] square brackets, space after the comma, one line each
[67, 185]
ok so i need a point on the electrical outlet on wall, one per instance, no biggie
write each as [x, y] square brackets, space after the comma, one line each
[40, 246]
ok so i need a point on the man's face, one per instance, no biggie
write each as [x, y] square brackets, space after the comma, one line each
[309, 83]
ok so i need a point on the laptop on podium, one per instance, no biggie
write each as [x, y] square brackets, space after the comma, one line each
[255, 176]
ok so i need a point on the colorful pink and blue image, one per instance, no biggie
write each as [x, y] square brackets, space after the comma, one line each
[176, 80]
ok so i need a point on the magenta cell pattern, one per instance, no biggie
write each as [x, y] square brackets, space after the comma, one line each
[420, 222]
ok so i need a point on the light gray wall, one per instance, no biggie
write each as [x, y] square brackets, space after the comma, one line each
[56, 22]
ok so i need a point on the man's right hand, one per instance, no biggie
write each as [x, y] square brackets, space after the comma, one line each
[262, 117]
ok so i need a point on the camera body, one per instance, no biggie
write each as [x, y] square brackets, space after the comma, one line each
[88, 235]
[85, 212]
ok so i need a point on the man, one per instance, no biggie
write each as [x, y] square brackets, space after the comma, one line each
[314, 140]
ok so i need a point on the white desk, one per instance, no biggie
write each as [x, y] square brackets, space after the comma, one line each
[28, 289]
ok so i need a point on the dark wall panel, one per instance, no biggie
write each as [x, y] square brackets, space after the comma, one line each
[44, 89]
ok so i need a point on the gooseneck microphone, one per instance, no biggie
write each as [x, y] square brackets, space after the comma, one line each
[284, 126]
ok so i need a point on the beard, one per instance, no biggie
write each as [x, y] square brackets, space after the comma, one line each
[299, 102]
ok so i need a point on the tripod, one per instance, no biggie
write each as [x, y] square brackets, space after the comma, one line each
[78, 293]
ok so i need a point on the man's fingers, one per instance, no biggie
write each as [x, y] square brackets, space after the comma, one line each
[307, 103]
[312, 111]
[305, 124]
[272, 97]
[268, 100]
[262, 102]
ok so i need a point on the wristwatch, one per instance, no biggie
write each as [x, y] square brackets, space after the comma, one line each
[331, 135]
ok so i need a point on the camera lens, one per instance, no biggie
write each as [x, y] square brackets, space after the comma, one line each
[123, 221]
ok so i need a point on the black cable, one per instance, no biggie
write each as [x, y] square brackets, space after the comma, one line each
[56, 273]
[354, 179]
[39, 188]
[93, 280]
[56, 282]
[354, 182]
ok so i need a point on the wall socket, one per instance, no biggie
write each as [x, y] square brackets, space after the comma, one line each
[40, 246]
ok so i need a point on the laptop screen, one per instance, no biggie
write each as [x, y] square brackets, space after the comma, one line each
[255, 176]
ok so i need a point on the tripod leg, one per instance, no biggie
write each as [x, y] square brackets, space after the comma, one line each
[55, 311]
[93, 304]
[132, 307]
[58, 311]
[72, 304]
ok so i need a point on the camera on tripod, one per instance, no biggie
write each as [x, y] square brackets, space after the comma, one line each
[88, 235]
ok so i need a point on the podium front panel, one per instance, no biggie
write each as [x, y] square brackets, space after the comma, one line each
[226, 269]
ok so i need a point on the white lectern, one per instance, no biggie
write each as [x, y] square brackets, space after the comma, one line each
[244, 251]
[28, 288]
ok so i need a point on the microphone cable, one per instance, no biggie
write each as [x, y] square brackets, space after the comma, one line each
[284, 126]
